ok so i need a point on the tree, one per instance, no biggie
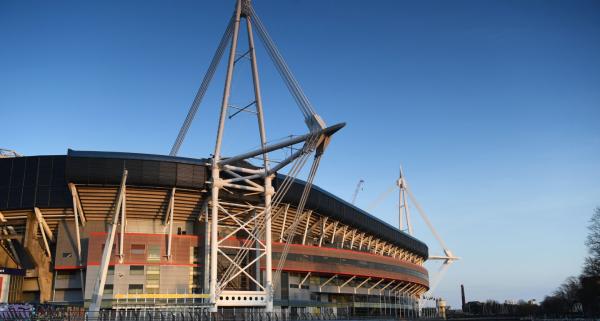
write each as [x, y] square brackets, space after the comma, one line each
[591, 267]
[584, 291]
[590, 277]
[555, 306]
[569, 290]
[565, 299]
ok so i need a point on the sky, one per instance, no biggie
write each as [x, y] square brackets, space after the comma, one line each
[491, 107]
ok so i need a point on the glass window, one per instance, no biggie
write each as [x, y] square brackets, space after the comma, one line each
[136, 289]
[152, 276]
[194, 255]
[136, 270]
[154, 253]
[196, 270]
[137, 249]
[153, 269]
[195, 277]
[108, 289]
[151, 284]
[111, 270]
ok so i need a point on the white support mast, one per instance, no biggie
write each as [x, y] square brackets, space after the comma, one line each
[404, 210]
[448, 258]
[405, 224]
[234, 173]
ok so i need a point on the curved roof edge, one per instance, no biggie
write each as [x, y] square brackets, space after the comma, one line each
[139, 156]
[333, 206]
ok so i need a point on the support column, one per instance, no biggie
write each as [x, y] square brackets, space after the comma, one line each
[308, 215]
[77, 201]
[268, 178]
[215, 171]
[78, 237]
[107, 252]
[41, 260]
[123, 222]
[268, 243]
[171, 213]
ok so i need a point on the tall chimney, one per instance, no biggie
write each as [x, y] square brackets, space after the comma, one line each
[462, 294]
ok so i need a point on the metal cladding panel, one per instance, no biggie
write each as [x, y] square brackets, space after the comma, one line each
[26, 182]
[107, 169]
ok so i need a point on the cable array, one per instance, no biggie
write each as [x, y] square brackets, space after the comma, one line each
[203, 87]
[284, 71]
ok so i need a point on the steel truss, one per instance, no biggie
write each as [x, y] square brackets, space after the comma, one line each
[236, 173]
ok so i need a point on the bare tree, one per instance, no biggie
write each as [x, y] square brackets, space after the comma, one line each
[569, 290]
[591, 267]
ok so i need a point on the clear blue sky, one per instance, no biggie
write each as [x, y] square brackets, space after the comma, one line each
[493, 108]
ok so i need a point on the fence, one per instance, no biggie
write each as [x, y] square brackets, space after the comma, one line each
[28, 312]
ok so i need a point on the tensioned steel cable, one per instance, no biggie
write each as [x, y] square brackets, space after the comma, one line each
[300, 209]
[424, 217]
[203, 87]
[291, 231]
[282, 68]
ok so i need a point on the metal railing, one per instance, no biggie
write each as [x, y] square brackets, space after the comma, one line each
[27, 312]
[113, 315]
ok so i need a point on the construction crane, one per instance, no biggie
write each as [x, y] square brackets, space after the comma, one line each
[404, 216]
[6, 153]
[358, 189]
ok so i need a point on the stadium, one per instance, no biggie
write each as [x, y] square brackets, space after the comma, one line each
[57, 210]
[109, 231]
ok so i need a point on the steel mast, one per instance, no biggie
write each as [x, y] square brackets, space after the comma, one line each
[235, 173]
[265, 290]
[447, 258]
[404, 194]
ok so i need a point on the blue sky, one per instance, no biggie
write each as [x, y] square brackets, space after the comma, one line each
[492, 107]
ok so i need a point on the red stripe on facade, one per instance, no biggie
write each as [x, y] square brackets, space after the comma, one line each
[150, 234]
[350, 274]
[144, 263]
[69, 267]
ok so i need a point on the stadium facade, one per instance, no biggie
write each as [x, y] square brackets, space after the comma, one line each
[56, 212]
